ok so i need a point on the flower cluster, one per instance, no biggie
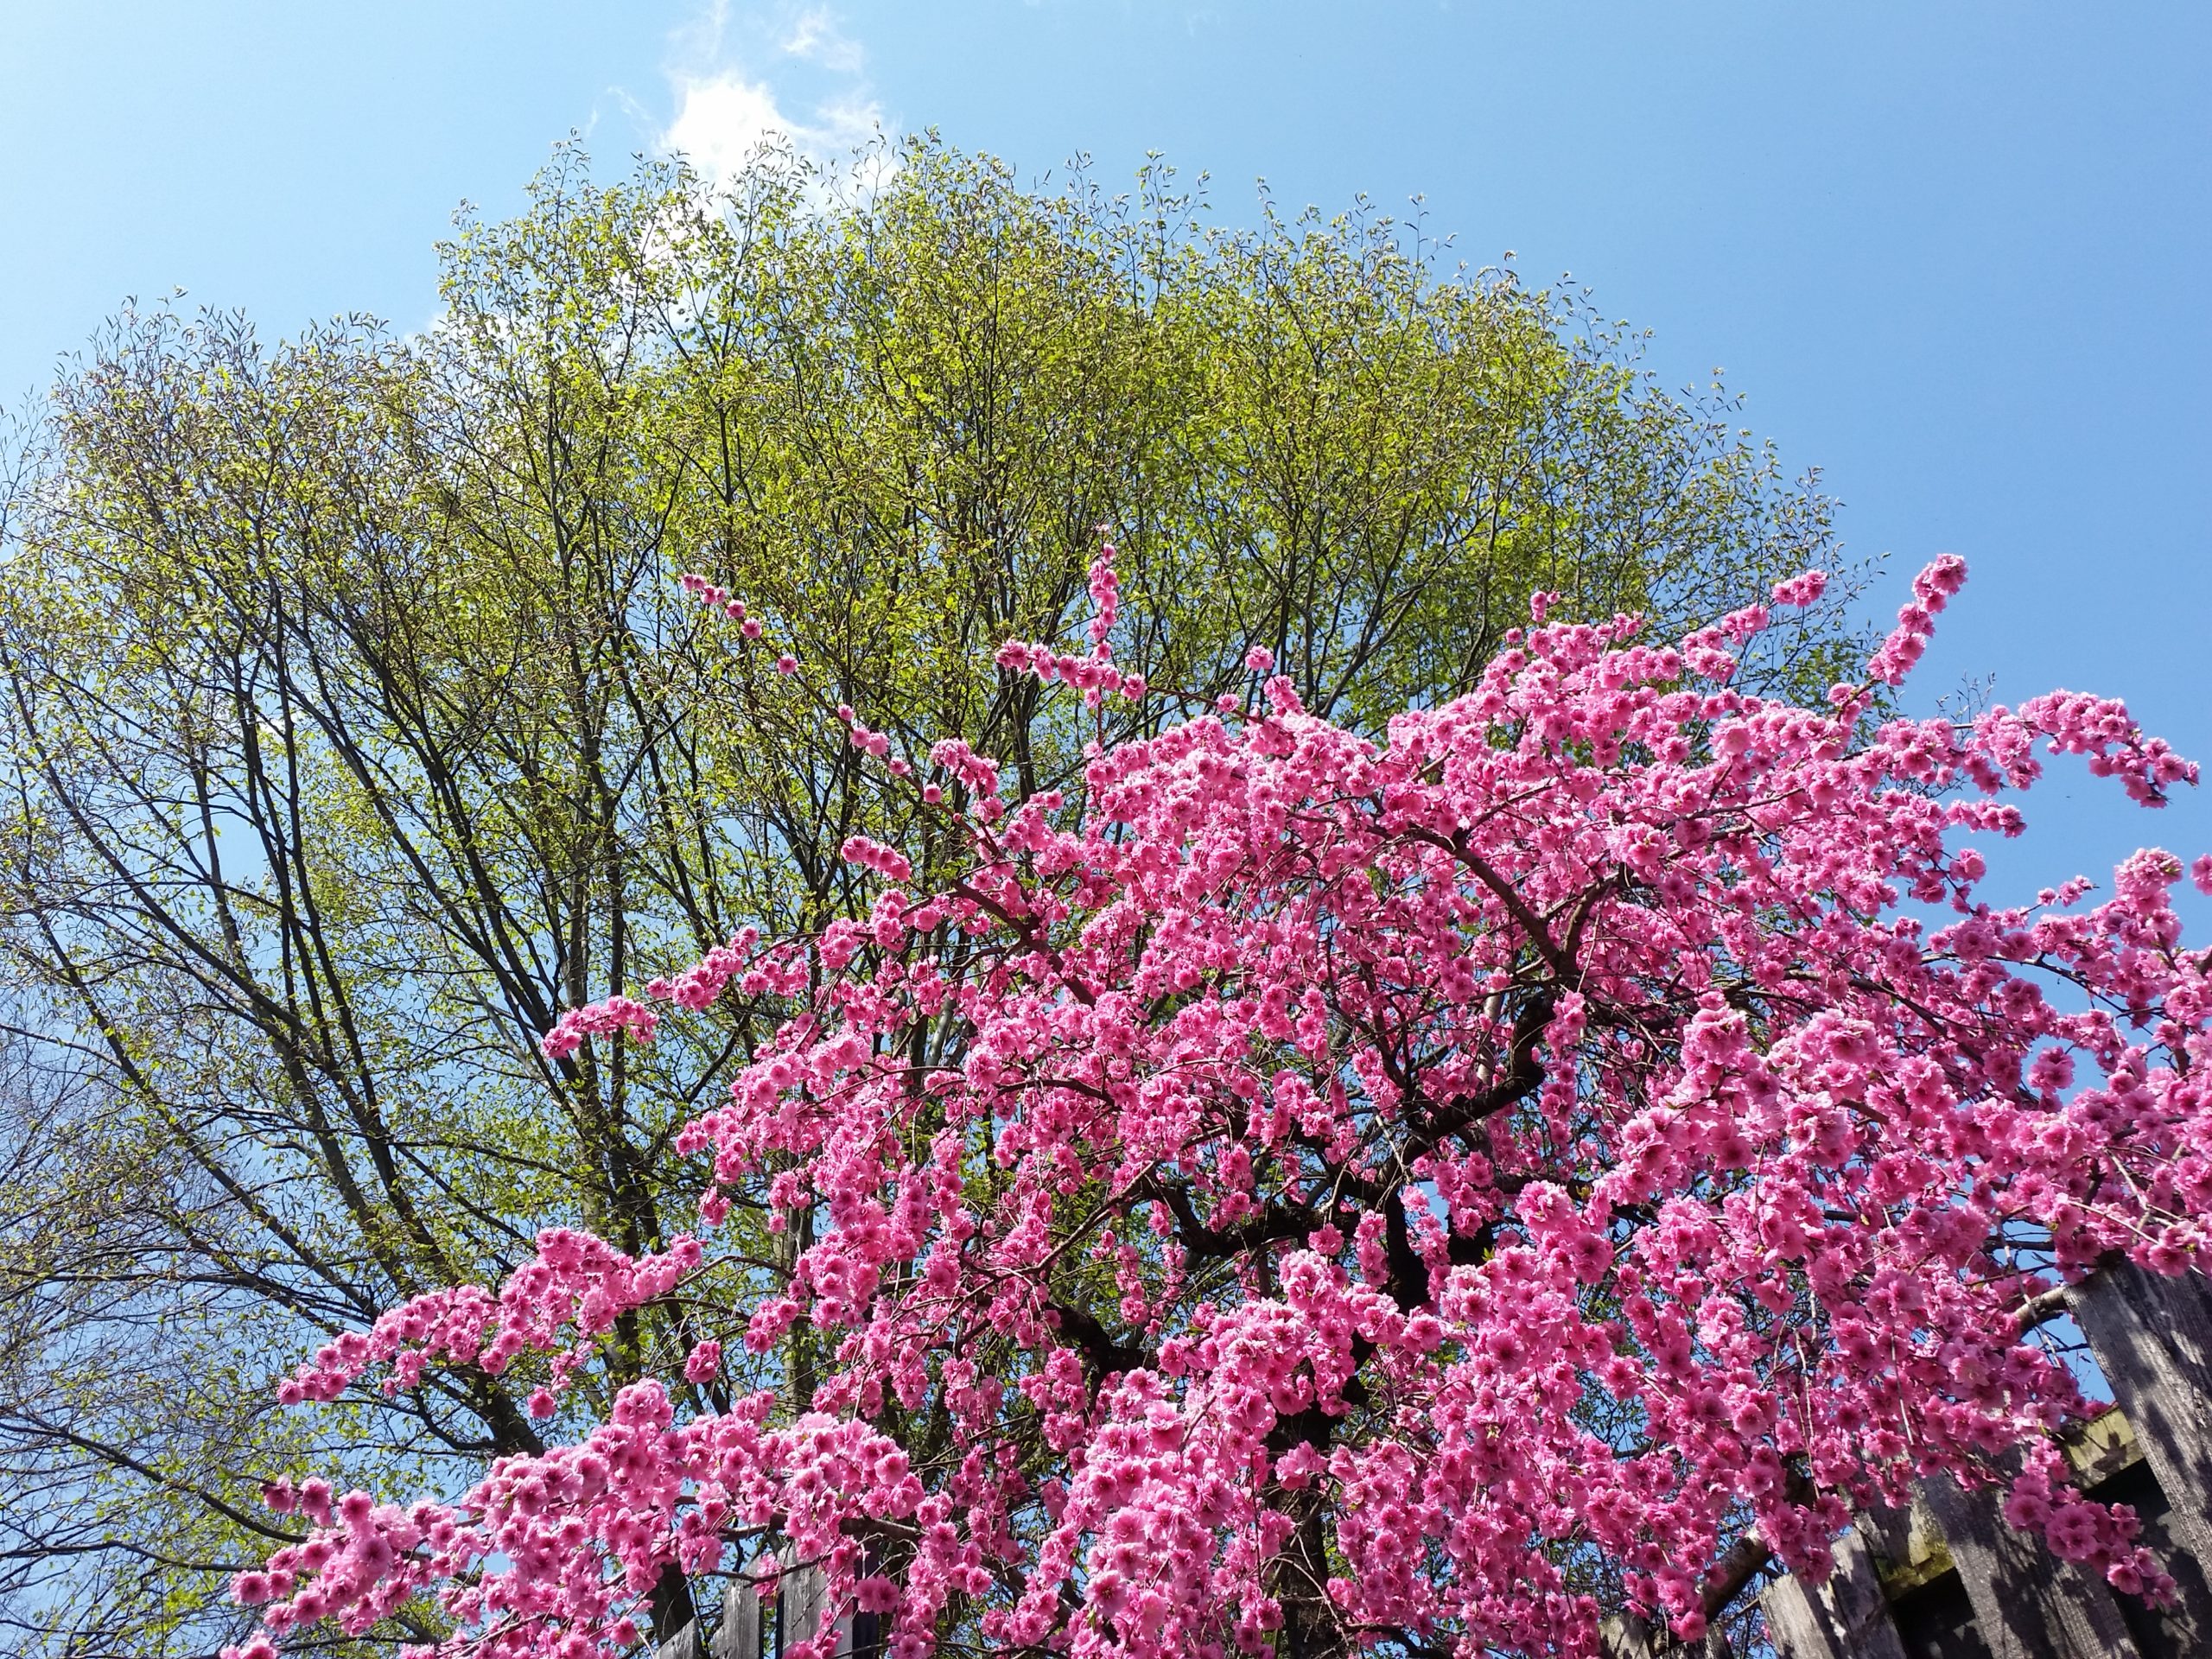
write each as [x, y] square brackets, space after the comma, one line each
[759, 971]
[1931, 590]
[718, 599]
[609, 1018]
[1094, 674]
[574, 1280]
[1303, 1191]
[886, 861]
[698, 986]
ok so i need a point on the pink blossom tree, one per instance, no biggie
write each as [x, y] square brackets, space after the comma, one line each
[1304, 1193]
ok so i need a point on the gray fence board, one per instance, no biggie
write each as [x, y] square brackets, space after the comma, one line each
[1847, 1617]
[2153, 1338]
[2027, 1603]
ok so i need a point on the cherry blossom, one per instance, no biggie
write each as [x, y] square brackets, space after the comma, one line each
[1302, 1191]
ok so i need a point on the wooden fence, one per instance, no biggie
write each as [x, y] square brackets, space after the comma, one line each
[751, 1629]
[1951, 1580]
[1947, 1579]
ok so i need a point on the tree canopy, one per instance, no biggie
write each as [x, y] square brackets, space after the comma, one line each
[357, 725]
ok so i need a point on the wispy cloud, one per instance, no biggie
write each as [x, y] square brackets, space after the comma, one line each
[815, 37]
[739, 75]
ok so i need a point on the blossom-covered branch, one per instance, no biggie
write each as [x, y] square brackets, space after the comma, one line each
[1305, 1192]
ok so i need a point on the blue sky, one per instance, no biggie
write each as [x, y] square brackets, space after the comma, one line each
[1955, 255]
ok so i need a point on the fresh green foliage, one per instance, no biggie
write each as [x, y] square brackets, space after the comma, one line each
[355, 726]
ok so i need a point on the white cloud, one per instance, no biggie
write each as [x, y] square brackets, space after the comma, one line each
[725, 115]
[816, 38]
[721, 120]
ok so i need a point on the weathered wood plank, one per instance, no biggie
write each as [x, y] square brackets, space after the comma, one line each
[2027, 1603]
[737, 1635]
[1847, 1617]
[1626, 1636]
[2152, 1335]
[801, 1598]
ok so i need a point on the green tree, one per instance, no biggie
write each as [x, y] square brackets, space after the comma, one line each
[355, 725]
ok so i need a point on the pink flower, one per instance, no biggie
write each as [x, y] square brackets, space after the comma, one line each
[703, 1362]
[1287, 1120]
